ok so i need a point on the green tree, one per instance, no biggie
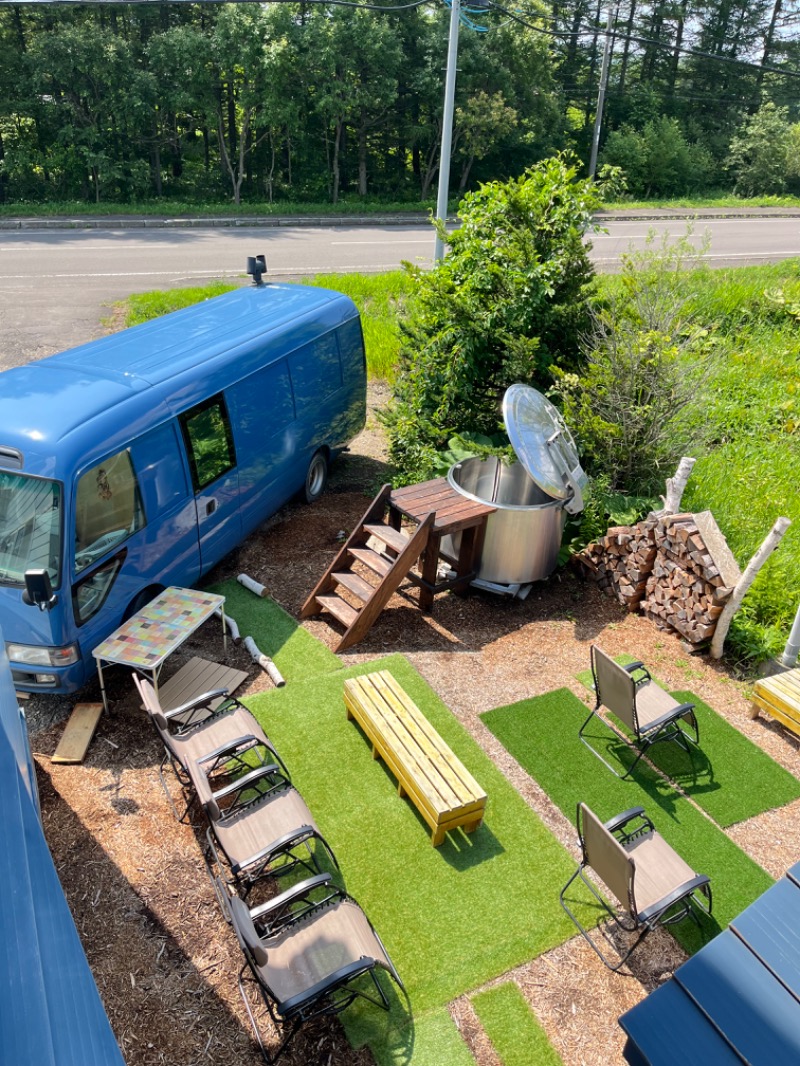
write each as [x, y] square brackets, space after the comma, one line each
[508, 302]
[658, 161]
[759, 156]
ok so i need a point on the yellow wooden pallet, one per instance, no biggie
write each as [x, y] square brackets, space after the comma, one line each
[779, 697]
[435, 780]
[78, 732]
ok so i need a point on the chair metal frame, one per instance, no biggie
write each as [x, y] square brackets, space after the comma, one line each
[242, 795]
[667, 727]
[198, 714]
[683, 901]
[326, 998]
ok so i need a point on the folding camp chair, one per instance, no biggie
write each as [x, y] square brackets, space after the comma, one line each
[651, 881]
[225, 734]
[314, 964]
[650, 713]
[257, 821]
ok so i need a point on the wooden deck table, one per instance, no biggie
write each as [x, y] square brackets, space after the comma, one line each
[427, 771]
[453, 513]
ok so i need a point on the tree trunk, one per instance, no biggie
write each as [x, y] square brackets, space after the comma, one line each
[771, 542]
[362, 155]
[335, 171]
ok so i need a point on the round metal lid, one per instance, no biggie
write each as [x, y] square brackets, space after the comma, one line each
[531, 421]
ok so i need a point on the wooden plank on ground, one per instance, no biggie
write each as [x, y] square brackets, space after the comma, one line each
[78, 733]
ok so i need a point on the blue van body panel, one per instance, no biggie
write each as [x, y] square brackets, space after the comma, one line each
[51, 1012]
[289, 363]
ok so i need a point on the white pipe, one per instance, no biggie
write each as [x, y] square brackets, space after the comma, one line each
[447, 126]
[792, 649]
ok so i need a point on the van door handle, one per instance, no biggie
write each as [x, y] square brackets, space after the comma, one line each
[211, 506]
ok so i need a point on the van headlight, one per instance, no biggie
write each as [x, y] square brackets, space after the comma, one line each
[35, 655]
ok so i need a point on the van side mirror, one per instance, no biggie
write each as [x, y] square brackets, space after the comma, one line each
[39, 590]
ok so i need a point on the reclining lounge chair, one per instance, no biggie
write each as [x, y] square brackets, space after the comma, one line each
[222, 736]
[650, 713]
[315, 963]
[651, 881]
[257, 821]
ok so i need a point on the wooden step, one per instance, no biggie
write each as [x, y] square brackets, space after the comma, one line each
[379, 564]
[339, 609]
[360, 588]
[393, 538]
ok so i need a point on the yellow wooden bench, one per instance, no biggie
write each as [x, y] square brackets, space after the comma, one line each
[439, 786]
[779, 696]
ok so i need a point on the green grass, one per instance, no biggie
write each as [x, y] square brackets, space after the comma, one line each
[173, 208]
[452, 917]
[728, 775]
[542, 735]
[377, 296]
[294, 651]
[515, 1033]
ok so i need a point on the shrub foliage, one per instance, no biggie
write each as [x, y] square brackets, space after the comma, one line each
[507, 303]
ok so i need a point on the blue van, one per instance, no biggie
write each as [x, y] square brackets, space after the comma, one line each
[139, 460]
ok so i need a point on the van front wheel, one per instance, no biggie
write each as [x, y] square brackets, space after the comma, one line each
[317, 477]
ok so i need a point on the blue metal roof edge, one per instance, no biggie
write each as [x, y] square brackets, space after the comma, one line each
[51, 1013]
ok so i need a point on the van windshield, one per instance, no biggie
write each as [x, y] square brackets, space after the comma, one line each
[30, 527]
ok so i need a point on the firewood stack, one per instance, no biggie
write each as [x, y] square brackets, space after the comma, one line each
[693, 574]
[622, 560]
[677, 568]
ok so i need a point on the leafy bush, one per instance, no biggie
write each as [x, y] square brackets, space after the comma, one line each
[601, 508]
[506, 304]
[647, 359]
[658, 160]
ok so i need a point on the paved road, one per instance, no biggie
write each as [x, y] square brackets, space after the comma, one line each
[57, 285]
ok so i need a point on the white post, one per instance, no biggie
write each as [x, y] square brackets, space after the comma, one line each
[447, 125]
[792, 649]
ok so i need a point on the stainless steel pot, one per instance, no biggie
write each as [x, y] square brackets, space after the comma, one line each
[523, 536]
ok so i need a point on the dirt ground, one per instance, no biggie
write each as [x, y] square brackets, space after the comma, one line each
[165, 961]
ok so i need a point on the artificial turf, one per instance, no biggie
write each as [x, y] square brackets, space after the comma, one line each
[515, 1033]
[294, 651]
[727, 775]
[451, 917]
[542, 735]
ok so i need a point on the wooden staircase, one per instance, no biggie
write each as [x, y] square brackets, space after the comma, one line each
[385, 556]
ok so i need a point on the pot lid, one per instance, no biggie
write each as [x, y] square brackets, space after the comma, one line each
[543, 443]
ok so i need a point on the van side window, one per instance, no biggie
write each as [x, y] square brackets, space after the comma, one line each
[209, 441]
[89, 595]
[108, 508]
[316, 373]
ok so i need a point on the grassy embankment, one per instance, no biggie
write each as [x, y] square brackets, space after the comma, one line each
[748, 424]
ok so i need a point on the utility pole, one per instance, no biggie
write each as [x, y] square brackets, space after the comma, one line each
[447, 125]
[601, 95]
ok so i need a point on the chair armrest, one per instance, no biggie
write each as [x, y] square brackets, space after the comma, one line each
[298, 891]
[339, 978]
[262, 780]
[243, 743]
[630, 667]
[677, 894]
[198, 703]
[619, 820]
[284, 843]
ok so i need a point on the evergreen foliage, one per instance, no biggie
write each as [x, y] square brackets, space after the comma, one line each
[507, 303]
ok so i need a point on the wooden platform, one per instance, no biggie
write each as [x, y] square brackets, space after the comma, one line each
[440, 787]
[196, 677]
[779, 696]
[78, 733]
[452, 513]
